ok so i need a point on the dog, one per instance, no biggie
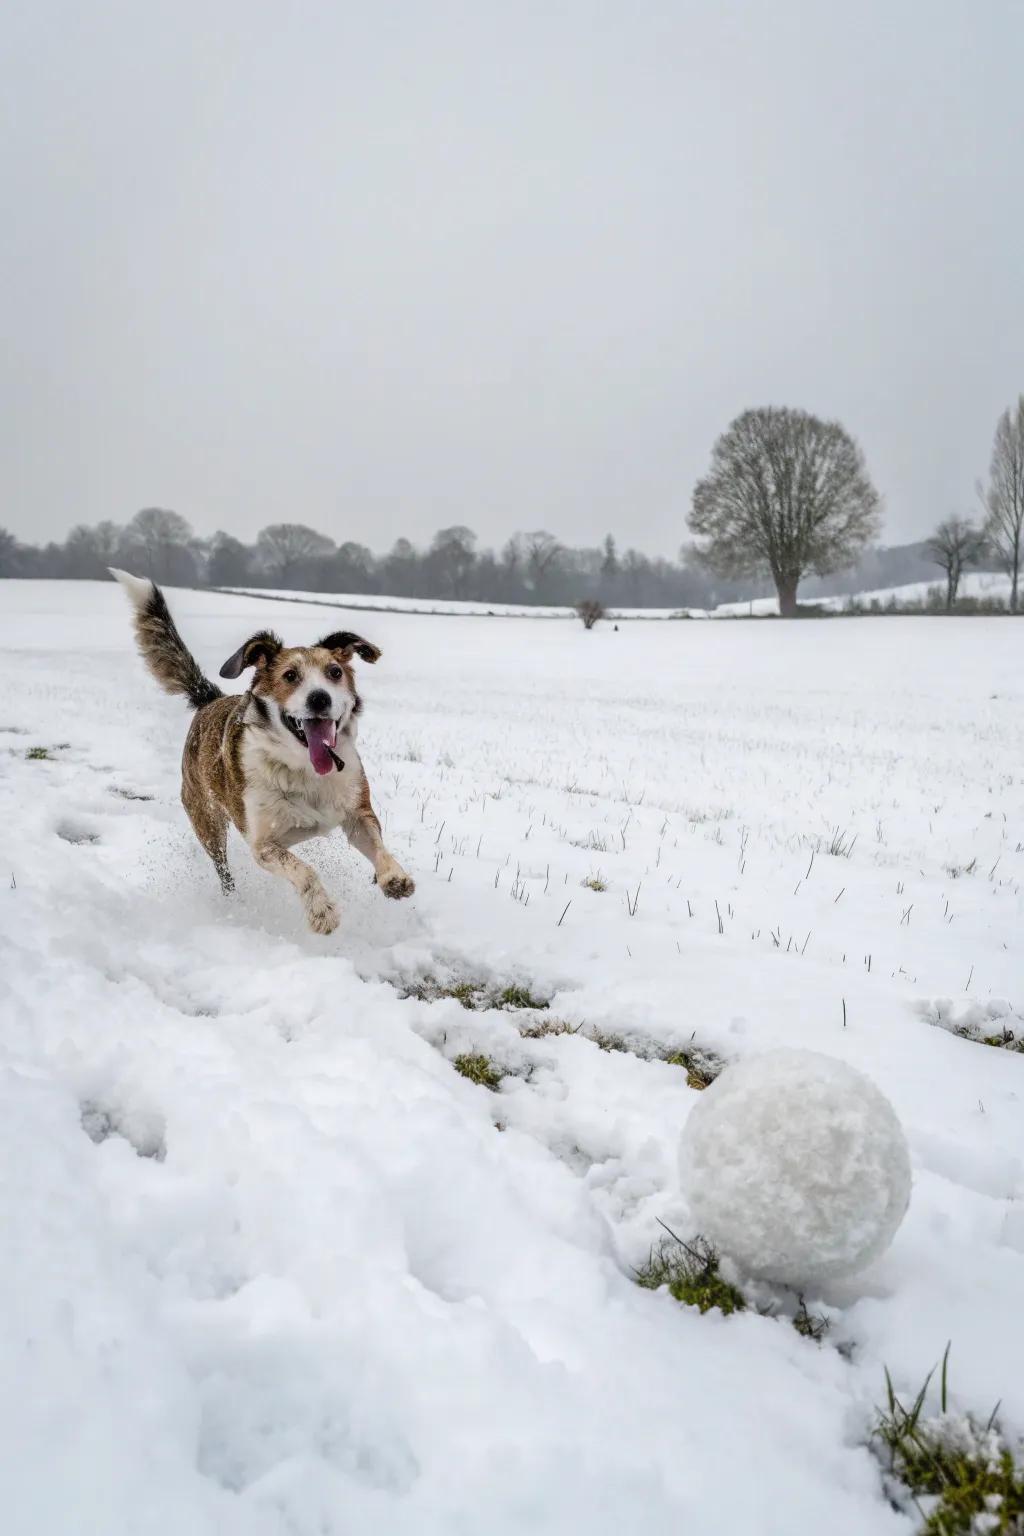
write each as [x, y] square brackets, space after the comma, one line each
[280, 760]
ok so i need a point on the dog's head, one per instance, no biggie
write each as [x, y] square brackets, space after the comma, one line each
[305, 695]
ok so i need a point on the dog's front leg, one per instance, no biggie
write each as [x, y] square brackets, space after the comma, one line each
[363, 832]
[321, 913]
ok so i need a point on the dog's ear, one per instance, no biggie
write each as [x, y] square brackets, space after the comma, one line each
[345, 640]
[258, 651]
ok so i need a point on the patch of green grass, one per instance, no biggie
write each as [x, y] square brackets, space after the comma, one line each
[1005, 1040]
[690, 1270]
[463, 992]
[475, 994]
[594, 883]
[428, 990]
[549, 1027]
[39, 755]
[608, 1042]
[972, 1480]
[519, 997]
[702, 1067]
[479, 1069]
[594, 842]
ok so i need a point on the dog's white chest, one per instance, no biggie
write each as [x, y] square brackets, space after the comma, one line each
[286, 800]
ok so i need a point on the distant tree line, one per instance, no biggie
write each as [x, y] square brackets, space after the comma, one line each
[531, 568]
[787, 502]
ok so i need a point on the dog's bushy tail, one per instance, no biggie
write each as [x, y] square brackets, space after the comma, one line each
[163, 650]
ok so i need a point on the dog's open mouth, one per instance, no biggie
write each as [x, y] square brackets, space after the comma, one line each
[318, 736]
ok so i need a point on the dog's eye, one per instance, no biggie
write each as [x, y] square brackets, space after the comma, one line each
[291, 676]
[334, 673]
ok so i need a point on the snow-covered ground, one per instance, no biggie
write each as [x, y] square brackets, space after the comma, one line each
[372, 602]
[272, 1267]
[987, 584]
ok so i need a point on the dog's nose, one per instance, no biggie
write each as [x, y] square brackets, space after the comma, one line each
[317, 701]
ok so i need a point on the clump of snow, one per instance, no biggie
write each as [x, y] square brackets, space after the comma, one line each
[796, 1166]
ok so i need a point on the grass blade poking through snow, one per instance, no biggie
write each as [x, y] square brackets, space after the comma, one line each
[690, 1271]
[964, 1479]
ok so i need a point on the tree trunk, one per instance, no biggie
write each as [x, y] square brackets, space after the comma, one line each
[787, 596]
[951, 586]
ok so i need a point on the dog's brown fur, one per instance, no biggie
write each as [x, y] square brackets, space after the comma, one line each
[241, 762]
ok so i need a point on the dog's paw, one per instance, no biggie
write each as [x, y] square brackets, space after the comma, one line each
[398, 885]
[322, 915]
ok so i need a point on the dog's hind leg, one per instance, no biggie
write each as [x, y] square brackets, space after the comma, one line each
[210, 825]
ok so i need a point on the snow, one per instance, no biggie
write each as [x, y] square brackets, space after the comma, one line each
[273, 1266]
[976, 584]
[986, 584]
[371, 602]
[796, 1166]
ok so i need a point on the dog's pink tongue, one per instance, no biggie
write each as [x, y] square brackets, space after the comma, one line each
[320, 735]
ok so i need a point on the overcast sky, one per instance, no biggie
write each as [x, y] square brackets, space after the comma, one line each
[383, 267]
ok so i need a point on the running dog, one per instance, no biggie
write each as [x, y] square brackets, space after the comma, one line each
[279, 761]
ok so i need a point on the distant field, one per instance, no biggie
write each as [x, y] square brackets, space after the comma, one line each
[280, 1255]
[380, 603]
[975, 584]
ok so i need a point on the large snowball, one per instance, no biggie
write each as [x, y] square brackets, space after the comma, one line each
[796, 1167]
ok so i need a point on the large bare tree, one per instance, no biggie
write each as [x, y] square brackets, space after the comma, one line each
[955, 545]
[1004, 496]
[787, 494]
[284, 547]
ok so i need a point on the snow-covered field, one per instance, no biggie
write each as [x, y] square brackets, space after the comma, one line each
[986, 584]
[272, 1267]
[372, 602]
[977, 584]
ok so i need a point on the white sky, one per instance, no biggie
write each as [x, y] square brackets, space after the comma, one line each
[385, 267]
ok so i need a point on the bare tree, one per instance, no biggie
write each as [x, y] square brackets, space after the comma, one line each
[452, 557]
[787, 494]
[229, 561]
[590, 611]
[541, 554]
[400, 569]
[349, 569]
[609, 578]
[284, 547]
[1004, 496]
[156, 543]
[89, 552]
[955, 545]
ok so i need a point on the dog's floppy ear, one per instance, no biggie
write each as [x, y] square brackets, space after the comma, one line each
[258, 650]
[345, 640]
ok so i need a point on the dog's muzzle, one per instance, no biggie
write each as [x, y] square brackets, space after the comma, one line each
[318, 735]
